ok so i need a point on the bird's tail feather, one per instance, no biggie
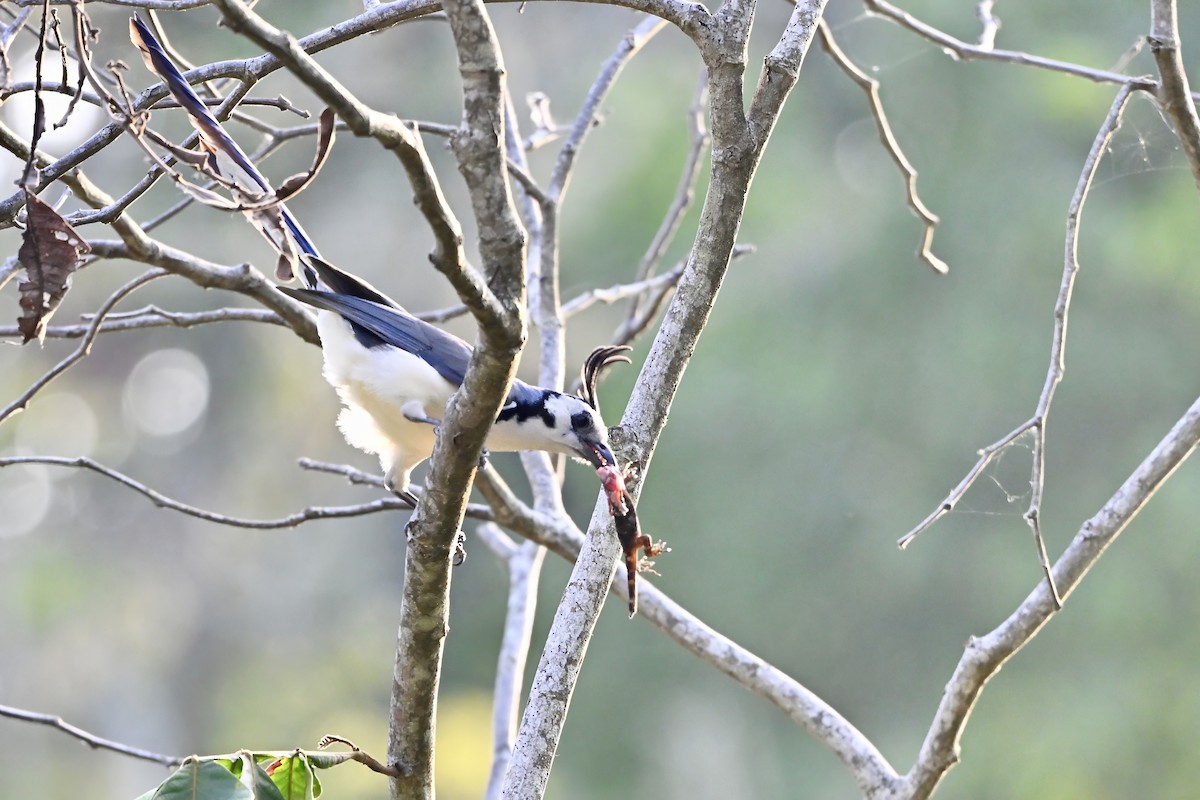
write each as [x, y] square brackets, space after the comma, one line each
[228, 159]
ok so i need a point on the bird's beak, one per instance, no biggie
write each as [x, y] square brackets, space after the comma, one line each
[597, 454]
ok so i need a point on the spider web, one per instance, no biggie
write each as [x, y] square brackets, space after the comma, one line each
[1003, 489]
[1145, 144]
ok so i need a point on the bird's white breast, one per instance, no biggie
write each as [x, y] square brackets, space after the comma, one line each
[381, 381]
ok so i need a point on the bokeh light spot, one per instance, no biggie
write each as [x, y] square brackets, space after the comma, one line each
[166, 392]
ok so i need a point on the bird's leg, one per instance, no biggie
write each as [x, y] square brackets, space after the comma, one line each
[414, 411]
[398, 485]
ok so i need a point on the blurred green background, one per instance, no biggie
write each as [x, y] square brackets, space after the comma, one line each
[839, 392]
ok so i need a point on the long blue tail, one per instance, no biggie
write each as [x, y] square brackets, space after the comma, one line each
[226, 157]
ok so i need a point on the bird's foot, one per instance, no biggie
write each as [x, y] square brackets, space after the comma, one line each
[460, 549]
[415, 412]
[403, 494]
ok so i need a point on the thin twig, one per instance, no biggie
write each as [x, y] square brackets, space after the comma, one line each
[162, 501]
[685, 193]
[1173, 91]
[91, 739]
[630, 46]
[85, 347]
[621, 291]
[155, 318]
[959, 49]
[985, 655]
[358, 477]
[1054, 374]
[990, 24]
[524, 564]
[871, 87]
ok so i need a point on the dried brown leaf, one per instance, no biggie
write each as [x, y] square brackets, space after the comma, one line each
[297, 183]
[50, 251]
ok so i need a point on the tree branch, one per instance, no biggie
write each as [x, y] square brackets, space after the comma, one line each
[871, 87]
[1057, 367]
[85, 347]
[985, 655]
[829, 727]
[162, 501]
[91, 739]
[1173, 91]
[737, 147]
[969, 52]
[152, 317]
[524, 564]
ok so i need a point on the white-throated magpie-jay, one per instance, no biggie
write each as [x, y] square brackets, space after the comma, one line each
[393, 372]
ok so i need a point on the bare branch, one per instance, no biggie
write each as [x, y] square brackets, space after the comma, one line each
[241, 278]
[1173, 91]
[85, 347]
[524, 568]
[1058, 345]
[152, 317]
[91, 739]
[159, 499]
[990, 23]
[685, 193]
[986, 456]
[969, 52]
[21, 87]
[559, 534]
[629, 47]
[985, 655]
[621, 291]
[738, 142]
[359, 478]
[871, 87]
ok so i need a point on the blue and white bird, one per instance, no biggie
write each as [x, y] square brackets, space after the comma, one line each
[393, 372]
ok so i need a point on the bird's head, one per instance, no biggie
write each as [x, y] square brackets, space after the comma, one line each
[578, 429]
[543, 419]
[588, 435]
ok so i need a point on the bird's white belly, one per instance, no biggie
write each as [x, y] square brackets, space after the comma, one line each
[383, 382]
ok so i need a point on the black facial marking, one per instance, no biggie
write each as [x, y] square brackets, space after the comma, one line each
[581, 421]
[520, 411]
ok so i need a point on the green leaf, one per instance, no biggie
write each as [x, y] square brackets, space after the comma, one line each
[293, 776]
[203, 780]
[264, 785]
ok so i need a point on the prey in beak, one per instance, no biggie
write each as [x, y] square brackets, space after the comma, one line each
[612, 479]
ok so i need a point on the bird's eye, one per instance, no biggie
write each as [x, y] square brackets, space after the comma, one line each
[581, 421]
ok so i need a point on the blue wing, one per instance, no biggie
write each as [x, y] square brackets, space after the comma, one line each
[214, 137]
[394, 326]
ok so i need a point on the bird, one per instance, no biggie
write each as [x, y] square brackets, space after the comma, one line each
[393, 372]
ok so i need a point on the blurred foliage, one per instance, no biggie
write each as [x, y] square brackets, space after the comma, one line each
[840, 390]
